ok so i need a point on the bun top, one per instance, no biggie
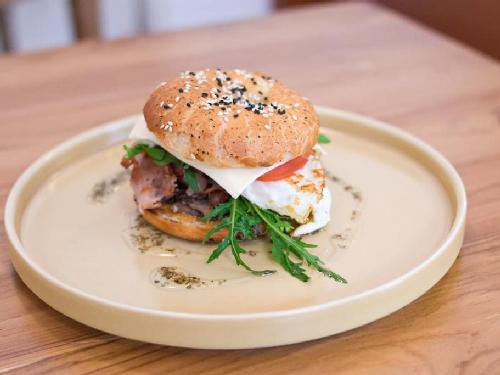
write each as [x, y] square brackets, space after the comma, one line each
[231, 119]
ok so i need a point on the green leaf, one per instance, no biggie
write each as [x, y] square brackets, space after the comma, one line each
[156, 153]
[190, 179]
[323, 139]
[167, 159]
[237, 224]
[218, 250]
[218, 211]
[283, 245]
[134, 150]
[223, 224]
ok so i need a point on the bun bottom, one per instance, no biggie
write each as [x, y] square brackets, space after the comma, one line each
[182, 225]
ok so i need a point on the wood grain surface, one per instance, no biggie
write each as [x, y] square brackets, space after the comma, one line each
[354, 56]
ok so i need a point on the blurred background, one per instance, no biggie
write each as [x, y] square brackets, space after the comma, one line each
[33, 25]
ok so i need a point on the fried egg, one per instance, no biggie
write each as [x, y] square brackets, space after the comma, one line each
[303, 196]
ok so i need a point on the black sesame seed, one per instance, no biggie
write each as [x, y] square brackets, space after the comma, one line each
[191, 73]
[236, 115]
[266, 98]
[181, 90]
[260, 92]
[204, 94]
[189, 105]
[281, 111]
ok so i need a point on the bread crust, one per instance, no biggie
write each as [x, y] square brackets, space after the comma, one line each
[231, 119]
[182, 225]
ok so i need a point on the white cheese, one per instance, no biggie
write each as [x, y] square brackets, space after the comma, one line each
[233, 180]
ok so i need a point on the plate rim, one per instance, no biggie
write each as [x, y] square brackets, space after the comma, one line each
[110, 127]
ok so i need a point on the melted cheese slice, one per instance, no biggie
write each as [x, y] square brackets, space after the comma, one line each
[233, 180]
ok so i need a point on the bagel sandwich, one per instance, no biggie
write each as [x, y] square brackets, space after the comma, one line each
[228, 156]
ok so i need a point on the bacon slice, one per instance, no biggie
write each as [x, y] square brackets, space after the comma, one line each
[151, 183]
[154, 185]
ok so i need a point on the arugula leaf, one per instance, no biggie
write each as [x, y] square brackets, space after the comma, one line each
[156, 153]
[295, 246]
[218, 211]
[133, 151]
[323, 139]
[190, 178]
[161, 157]
[240, 216]
[238, 226]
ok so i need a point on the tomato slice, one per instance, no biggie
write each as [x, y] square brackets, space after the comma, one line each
[284, 170]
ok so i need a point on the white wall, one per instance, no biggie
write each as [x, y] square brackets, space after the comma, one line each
[168, 15]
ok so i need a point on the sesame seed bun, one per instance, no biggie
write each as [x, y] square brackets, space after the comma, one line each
[231, 119]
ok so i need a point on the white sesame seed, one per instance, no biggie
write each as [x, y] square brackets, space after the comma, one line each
[193, 157]
[170, 123]
[296, 105]
[267, 126]
[295, 117]
[177, 99]
[162, 104]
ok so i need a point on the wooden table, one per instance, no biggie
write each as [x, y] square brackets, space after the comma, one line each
[356, 57]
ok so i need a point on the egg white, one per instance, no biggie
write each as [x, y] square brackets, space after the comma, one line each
[302, 196]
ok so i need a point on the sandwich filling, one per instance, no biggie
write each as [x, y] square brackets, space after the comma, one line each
[195, 189]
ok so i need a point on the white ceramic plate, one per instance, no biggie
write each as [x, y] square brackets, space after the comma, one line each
[397, 226]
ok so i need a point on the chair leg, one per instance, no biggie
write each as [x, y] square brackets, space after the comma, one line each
[86, 18]
[4, 39]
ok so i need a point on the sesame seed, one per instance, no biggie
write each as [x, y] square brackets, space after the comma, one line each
[177, 99]
[193, 156]
[267, 126]
[295, 117]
